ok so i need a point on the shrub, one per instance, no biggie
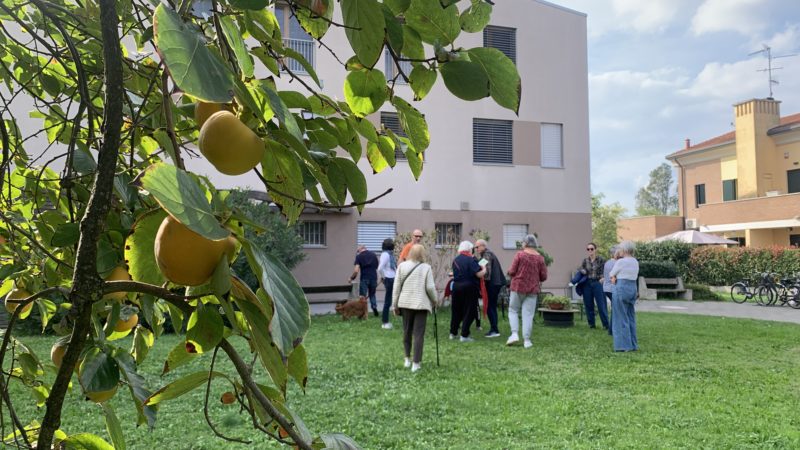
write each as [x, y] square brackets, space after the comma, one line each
[674, 251]
[715, 266]
[557, 300]
[657, 269]
[703, 292]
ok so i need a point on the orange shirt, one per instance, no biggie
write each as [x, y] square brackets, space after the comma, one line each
[404, 252]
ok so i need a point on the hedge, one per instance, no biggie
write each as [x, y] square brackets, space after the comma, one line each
[715, 266]
[676, 252]
[657, 269]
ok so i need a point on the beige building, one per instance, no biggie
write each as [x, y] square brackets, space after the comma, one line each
[486, 168]
[745, 184]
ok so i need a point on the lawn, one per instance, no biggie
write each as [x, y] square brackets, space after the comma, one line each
[698, 382]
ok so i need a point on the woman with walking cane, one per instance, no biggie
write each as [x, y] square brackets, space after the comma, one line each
[413, 298]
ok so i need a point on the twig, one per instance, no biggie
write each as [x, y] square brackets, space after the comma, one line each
[269, 185]
[166, 104]
[33, 241]
[3, 387]
[205, 403]
[109, 287]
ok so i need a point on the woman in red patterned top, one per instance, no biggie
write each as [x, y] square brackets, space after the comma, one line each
[527, 272]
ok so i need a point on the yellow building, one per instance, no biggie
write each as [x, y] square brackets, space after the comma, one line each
[745, 184]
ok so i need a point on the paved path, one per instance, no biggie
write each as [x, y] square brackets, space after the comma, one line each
[722, 309]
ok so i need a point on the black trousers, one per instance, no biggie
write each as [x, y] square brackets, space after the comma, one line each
[465, 307]
[414, 321]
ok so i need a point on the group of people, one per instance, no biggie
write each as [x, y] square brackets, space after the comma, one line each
[476, 273]
[614, 280]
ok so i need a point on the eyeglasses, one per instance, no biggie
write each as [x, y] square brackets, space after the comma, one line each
[589, 249]
[418, 235]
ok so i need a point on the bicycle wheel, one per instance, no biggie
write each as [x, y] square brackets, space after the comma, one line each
[739, 292]
[793, 296]
[764, 295]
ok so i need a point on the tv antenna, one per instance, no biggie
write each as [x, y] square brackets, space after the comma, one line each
[769, 69]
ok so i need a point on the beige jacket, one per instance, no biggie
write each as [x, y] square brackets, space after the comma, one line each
[418, 291]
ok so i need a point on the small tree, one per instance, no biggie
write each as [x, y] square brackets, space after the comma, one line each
[659, 196]
[604, 224]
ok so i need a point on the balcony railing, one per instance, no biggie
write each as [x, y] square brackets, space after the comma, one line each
[780, 207]
[304, 47]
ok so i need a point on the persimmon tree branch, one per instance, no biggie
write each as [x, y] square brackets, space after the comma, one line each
[86, 282]
[271, 186]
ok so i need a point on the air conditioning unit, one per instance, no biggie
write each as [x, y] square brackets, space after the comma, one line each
[426, 204]
[691, 224]
[465, 206]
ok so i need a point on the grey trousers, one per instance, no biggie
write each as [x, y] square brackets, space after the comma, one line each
[526, 303]
[414, 331]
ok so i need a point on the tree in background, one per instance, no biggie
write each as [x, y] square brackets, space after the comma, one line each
[604, 224]
[658, 198]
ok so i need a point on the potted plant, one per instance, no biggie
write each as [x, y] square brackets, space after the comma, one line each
[557, 302]
[558, 311]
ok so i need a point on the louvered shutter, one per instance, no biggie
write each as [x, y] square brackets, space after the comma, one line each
[503, 39]
[392, 122]
[492, 141]
[552, 145]
[513, 233]
[372, 234]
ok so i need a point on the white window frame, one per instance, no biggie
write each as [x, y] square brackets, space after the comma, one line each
[442, 236]
[492, 142]
[552, 144]
[321, 233]
[366, 232]
[513, 233]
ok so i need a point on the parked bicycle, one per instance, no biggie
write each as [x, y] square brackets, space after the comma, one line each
[762, 292]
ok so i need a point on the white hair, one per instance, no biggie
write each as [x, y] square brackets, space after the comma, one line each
[627, 247]
[530, 241]
[465, 246]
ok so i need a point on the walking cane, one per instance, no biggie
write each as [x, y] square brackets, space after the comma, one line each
[436, 335]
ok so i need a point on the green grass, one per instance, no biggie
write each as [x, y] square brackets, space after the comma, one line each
[698, 382]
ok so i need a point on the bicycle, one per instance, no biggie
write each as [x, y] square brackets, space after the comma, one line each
[743, 291]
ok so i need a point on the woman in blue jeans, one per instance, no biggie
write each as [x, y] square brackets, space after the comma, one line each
[623, 277]
[387, 267]
[592, 267]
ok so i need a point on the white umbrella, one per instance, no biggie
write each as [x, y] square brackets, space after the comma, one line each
[695, 237]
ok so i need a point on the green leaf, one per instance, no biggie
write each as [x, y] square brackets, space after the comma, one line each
[394, 30]
[47, 310]
[376, 158]
[220, 281]
[355, 181]
[136, 384]
[86, 441]
[113, 427]
[281, 165]
[99, 371]
[107, 257]
[476, 17]
[317, 22]
[66, 235]
[466, 80]
[139, 254]
[205, 328]
[161, 136]
[234, 37]
[365, 91]
[505, 85]
[413, 124]
[339, 442]
[181, 386]
[397, 6]
[177, 357]
[269, 62]
[285, 117]
[421, 80]
[193, 67]
[365, 128]
[143, 340]
[433, 22]
[291, 318]
[182, 196]
[294, 99]
[365, 29]
[412, 44]
[261, 24]
[307, 66]
[249, 4]
[298, 366]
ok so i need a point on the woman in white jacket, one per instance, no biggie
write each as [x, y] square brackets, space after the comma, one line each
[413, 297]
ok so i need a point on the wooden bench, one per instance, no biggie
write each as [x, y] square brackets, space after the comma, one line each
[350, 289]
[650, 288]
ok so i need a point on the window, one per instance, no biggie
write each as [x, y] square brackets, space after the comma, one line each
[372, 234]
[699, 195]
[313, 233]
[552, 146]
[794, 240]
[793, 180]
[392, 68]
[501, 38]
[513, 233]
[391, 121]
[728, 190]
[448, 234]
[295, 37]
[492, 141]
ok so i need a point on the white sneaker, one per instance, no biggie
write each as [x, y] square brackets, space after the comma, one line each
[452, 336]
[528, 344]
[407, 363]
[387, 326]
[415, 367]
[467, 339]
[513, 339]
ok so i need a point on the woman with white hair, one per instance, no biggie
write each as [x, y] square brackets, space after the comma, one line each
[613, 256]
[528, 271]
[466, 288]
[623, 277]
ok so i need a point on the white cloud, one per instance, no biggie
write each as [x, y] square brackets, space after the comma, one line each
[650, 16]
[786, 41]
[741, 16]
[731, 82]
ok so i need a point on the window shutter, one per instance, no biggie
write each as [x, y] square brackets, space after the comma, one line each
[503, 39]
[392, 69]
[513, 233]
[492, 141]
[372, 234]
[392, 122]
[552, 145]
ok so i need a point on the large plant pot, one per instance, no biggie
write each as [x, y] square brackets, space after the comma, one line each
[559, 318]
[555, 306]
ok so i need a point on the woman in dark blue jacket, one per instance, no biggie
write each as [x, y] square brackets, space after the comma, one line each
[466, 289]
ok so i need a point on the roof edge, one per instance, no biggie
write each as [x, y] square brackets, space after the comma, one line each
[693, 151]
[563, 8]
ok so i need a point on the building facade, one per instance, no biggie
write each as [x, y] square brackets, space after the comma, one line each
[486, 168]
[745, 184]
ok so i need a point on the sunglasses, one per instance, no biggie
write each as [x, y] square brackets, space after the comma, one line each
[589, 249]
[417, 235]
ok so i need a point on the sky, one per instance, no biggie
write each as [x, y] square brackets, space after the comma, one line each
[662, 71]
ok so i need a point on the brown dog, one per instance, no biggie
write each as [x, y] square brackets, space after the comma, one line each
[353, 308]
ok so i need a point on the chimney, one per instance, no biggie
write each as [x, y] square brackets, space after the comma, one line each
[688, 143]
